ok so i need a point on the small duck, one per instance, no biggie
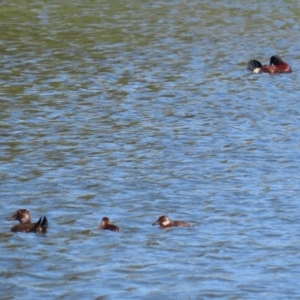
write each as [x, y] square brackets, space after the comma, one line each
[24, 217]
[165, 222]
[277, 65]
[107, 225]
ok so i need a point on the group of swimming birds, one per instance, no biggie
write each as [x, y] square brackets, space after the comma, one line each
[25, 225]
[276, 66]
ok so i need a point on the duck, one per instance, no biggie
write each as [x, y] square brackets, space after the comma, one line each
[276, 66]
[105, 224]
[25, 225]
[165, 222]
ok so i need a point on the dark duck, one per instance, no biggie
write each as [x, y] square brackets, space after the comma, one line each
[165, 222]
[105, 224]
[276, 66]
[25, 225]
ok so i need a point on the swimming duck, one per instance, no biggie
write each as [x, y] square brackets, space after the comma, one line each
[107, 225]
[165, 222]
[25, 225]
[277, 65]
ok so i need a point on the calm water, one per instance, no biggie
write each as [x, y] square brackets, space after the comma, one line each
[134, 109]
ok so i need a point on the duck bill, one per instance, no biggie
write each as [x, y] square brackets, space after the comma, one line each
[155, 223]
[13, 217]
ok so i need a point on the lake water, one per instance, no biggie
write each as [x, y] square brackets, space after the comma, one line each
[135, 109]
